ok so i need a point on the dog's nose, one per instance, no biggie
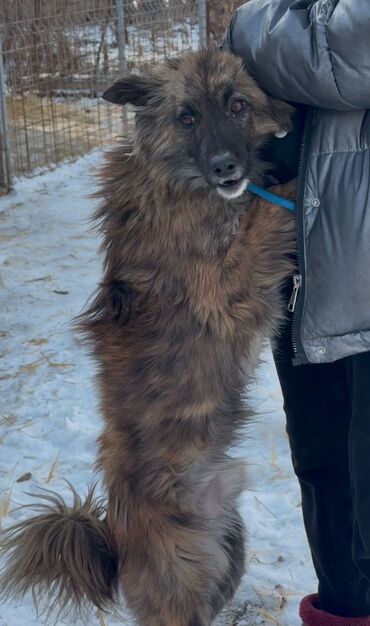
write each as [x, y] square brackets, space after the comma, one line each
[223, 165]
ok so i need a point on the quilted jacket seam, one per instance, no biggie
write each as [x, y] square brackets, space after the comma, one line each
[341, 151]
[327, 6]
[323, 338]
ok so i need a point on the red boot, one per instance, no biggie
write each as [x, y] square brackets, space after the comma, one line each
[313, 616]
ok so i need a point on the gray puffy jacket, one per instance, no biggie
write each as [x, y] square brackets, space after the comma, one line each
[318, 53]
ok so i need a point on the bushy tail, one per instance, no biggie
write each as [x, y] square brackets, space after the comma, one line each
[64, 555]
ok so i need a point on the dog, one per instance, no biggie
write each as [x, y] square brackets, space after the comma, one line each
[193, 265]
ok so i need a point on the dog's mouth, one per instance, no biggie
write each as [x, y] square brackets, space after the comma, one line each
[232, 188]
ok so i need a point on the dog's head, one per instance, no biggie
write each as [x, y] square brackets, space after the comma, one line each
[201, 120]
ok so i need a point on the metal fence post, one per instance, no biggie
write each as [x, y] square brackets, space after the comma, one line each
[5, 168]
[202, 16]
[122, 51]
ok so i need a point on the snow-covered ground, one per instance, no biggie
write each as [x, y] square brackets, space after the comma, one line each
[48, 415]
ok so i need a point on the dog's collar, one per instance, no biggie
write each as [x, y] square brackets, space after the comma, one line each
[271, 197]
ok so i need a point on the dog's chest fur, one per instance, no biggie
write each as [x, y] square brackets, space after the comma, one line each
[205, 290]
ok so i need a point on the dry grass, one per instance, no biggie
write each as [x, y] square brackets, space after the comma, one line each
[39, 279]
[58, 364]
[7, 420]
[247, 614]
[38, 341]
[259, 502]
[46, 130]
[47, 114]
[101, 618]
[30, 368]
[53, 470]
[4, 506]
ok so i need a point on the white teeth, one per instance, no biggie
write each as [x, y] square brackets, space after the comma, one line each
[231, 193]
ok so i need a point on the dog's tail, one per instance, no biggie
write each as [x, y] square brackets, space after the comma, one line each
[64, 555]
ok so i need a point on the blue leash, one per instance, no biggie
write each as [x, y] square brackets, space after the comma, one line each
[271, 197]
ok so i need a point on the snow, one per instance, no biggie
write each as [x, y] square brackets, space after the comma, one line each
[49, 419]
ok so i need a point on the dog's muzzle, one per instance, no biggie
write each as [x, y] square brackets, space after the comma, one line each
[232, 188]
[227, 176]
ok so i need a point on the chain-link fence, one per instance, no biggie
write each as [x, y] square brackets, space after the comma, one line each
[58, 56]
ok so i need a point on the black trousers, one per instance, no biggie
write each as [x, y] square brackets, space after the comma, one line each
[328, 423]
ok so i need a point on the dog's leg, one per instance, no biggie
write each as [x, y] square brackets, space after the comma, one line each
[176, 572]
[179, 564]
[234, 545]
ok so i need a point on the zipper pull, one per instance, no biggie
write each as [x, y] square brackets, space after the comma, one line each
[297, 284]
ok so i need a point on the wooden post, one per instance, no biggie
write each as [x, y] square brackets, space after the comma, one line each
[122, 52]
[202, 14]
[5, 169]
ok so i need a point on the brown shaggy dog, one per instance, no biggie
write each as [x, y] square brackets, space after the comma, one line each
[193, 266]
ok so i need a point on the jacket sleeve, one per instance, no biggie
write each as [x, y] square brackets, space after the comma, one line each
[316, 53]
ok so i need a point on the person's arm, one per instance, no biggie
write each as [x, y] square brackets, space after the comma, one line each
[316, 53]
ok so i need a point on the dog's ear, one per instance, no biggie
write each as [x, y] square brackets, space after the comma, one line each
[133, 89]
[281, 112]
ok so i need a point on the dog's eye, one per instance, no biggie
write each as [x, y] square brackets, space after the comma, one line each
[187, 120]
[238, 106]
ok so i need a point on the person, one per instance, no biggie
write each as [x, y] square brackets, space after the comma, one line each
[316, 55]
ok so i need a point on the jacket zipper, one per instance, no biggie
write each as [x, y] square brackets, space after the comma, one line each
[297, 284]
[297, 299]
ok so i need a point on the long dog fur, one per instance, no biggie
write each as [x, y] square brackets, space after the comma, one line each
[190, 291]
